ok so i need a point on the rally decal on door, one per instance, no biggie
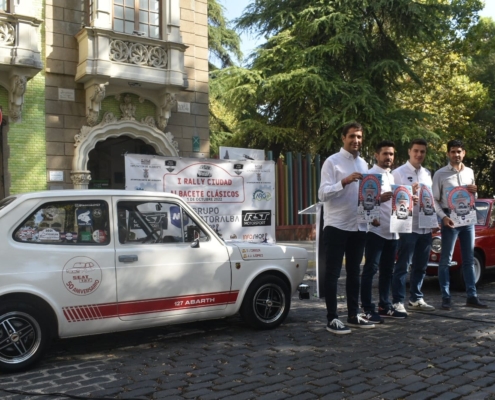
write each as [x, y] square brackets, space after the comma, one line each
[112, 310]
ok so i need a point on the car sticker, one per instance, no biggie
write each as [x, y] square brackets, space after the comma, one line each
[99, 236]
[148, 306]
[84, 217]
[86, 236]
[48, 234]
[81, 275]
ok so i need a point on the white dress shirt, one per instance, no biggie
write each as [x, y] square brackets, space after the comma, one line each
[340, 203]
[448, 177]
[385, 207]
[407, 175]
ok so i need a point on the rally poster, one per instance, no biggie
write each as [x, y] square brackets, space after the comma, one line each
[369, 198]
[461, 205]
[235, 198]
[427, 215]
[402, 209]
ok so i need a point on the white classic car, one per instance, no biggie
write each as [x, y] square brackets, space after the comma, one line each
[79, 263]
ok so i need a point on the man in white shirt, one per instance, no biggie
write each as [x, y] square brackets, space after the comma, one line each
[414, 248]
[381, 244]
[453, 175]
[339, 193]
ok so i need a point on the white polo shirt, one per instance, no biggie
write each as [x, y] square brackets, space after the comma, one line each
[407, 175]
[340, 203]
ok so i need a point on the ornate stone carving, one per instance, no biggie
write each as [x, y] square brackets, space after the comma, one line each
[17, 90]
[108, 118]
[81, 135]
[128, 109]
[168, 101]
[172, 140]
[138, 54]
[7, 34]
[80, 179]
[96, 94]
[149, 120]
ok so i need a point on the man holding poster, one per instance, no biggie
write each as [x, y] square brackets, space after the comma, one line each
[414, 247]
[454, 189]
[338, 191]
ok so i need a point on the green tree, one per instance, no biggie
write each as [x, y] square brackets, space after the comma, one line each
[328, 62]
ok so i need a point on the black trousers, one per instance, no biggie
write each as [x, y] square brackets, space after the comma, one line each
[337, 244]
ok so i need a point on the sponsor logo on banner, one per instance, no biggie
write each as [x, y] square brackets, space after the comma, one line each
[257, 218]
[170, 165]
[238, 168]
[146, 173]
[260, 195]
[175, 216]
[145, 161]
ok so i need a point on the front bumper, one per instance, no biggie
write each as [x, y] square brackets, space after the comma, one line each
[435, 264]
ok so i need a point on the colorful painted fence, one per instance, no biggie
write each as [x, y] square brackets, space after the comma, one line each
[297, 183]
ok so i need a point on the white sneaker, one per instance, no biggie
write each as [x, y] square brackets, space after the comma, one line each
[400, 307]
[420, 304]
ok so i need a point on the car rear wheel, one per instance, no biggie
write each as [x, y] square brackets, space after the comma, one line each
[24, 336]
[479, 268]
[267, 302]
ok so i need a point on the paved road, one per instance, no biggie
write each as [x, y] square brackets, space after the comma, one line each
[437, 355]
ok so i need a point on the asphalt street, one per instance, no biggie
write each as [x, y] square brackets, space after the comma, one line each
[435, 355]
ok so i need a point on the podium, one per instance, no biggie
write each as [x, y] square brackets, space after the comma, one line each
[317, 209]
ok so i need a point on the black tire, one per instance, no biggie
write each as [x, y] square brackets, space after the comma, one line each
[457, 279]
[266, 303]
[24, 336]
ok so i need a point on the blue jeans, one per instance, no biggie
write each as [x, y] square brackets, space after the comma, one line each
[337, 243]
[380, 255]
[466, 240]
[414, 250]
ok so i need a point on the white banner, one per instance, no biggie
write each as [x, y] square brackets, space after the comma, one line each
[237, 153]
[236, 198]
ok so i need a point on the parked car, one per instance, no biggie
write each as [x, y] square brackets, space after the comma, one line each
[484, 246]
[78, 263]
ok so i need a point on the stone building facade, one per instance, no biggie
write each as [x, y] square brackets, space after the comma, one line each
[82, 82]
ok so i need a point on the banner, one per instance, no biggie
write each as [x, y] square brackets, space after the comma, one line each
[237, 153]
[427, 214]
[402, 209]
[236, 198]
[370, 189]
[461, 206]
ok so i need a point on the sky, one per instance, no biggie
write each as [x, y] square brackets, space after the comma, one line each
[234, 9]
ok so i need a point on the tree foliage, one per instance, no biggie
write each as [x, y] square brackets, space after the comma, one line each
[328, 62]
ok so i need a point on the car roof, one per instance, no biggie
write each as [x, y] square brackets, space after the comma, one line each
[92, 193]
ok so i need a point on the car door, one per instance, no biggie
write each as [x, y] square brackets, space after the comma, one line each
[161, 271]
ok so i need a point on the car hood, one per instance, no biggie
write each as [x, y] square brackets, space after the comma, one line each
[268, 251]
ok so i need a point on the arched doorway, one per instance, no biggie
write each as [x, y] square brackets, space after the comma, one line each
[106, 161]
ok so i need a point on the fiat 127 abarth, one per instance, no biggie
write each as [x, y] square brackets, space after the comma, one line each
[79, 263]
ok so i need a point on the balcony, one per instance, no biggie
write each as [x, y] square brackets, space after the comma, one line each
[126, 60]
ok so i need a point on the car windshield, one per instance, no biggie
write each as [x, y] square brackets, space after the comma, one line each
[482, 209]
[5, 202]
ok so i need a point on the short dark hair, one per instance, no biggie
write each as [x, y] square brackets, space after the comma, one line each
[455, 143]
[355, 125]
[384, 143]
[421, 142]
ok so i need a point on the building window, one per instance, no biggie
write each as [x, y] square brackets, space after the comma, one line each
[5, 5]
[140, 17]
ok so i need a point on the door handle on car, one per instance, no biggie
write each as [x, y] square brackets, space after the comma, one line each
[128, 258]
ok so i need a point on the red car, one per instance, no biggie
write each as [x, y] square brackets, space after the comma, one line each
[484, 246]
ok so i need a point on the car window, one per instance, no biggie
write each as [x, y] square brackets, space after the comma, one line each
[5, 202]
[481, 212]
[152, 222]
[68, 223]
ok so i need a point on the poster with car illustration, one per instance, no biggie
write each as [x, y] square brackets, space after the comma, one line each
[370, 189]
[461, 206]
[427, 215]
[402, 206]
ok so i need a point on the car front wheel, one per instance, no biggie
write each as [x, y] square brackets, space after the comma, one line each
[24, 336]
[267, 302]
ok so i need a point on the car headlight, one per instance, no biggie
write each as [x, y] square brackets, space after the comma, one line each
[436, 245]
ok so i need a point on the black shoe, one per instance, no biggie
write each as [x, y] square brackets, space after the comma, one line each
[336, 326]
[392, 313]
[373, 317]
[446, 305]
[475, 302]
[359, 322]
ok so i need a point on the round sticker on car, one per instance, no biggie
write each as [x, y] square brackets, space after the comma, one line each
[81, 275]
